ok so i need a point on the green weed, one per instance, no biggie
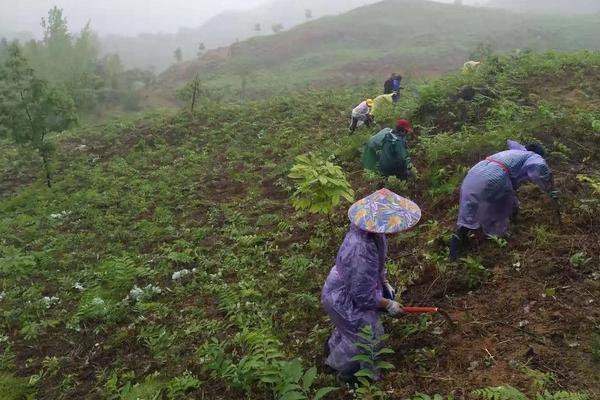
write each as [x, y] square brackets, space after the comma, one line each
[473, 271]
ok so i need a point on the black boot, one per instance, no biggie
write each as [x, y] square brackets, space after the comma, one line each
[326, 351]
[457, 243]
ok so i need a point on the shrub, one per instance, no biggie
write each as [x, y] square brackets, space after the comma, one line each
[321, 185]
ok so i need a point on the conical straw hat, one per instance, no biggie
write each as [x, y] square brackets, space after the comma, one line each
[384, 212]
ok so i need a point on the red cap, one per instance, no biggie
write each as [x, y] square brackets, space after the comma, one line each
[404, 124]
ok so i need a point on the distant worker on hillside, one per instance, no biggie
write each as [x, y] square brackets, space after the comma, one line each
[488, 196]
[392, 86]
[357, 290]
[470, 67]
[361, 113]
[386, 152]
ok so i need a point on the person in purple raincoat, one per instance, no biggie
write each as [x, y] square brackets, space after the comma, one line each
[357, 291]
[488, 195]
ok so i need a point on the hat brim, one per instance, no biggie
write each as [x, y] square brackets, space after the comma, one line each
[384, 212]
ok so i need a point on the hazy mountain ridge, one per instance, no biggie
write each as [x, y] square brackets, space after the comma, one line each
[549, 6]
[221, 30]
[423, 38]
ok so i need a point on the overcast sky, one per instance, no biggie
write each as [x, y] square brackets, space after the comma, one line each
[126, 17]
[117, 16]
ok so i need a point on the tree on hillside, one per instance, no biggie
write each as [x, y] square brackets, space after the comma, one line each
[308, 14]
[191, 92]
[3, 49]
[201, 49]
[257, 27]
[178, 54]
[277, 28]
[72, 61]
[30, 109]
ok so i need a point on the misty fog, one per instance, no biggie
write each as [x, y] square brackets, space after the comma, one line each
[146, 32]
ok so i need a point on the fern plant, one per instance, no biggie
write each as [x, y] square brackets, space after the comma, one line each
[508, 392]
[321, 185]
[505, 392]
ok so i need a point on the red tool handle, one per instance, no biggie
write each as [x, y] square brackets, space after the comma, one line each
[419, 310]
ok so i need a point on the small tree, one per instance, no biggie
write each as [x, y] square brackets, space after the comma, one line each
[201, 49]
[191, 92]
[178, 54]
[29, 109]
[308, 14]
[277, 28]
[321, 185]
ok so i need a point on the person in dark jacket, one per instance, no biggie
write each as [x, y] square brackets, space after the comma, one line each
[388, 86]
[393, 86]
[386, 152]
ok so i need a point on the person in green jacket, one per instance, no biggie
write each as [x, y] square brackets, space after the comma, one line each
[386, 152]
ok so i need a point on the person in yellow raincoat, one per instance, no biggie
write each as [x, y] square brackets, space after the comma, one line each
[383, 107]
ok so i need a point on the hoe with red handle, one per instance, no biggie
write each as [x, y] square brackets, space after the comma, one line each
[429, 310]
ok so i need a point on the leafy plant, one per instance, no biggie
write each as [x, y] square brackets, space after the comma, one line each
[422, 396]
[180, 386]
[15, 388]
[290, 382]
[561, 150]
[508, 392]
[158, 340]
[321, 185]
[473, 271]
[370, 359]
[580, 260]
[121, 386]
[592, 181]
[539, 379]
[501, 242]
[541, 235]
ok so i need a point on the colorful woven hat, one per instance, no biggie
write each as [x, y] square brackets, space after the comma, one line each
[384, 212]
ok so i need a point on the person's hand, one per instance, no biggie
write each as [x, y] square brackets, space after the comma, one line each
[394, 308]
[390, 289]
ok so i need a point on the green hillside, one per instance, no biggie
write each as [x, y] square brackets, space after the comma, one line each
[166, 261]
[156, 50]
[416, 37]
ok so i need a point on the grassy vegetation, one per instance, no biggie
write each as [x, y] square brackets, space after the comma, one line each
[167, 261]
[417, 38]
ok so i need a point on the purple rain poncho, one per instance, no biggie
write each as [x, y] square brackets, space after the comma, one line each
[488, 194]
[351, 295]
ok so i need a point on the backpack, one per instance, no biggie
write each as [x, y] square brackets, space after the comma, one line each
[393, 157]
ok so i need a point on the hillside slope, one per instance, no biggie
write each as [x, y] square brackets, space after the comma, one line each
[221, 30]
[416, 37]
[549, 6]
[167, 262]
